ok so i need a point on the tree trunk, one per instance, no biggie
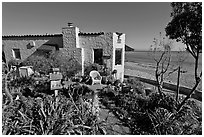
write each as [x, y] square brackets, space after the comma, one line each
[178, 81]
[197, 79]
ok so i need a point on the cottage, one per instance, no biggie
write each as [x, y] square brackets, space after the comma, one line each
[87, 48]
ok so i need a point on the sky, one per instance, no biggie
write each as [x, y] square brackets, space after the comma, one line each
[141, 22]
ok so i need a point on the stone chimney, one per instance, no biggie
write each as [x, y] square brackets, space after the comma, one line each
[71, 47]
[70, 24]
[70, 36]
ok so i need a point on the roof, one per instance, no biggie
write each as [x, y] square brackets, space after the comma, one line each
[52, 35]
[46, 48]
[95, 33]
[21, 36]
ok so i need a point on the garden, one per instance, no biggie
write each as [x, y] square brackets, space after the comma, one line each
[31, 107]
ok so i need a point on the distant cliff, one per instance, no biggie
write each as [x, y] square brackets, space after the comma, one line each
[127, 48]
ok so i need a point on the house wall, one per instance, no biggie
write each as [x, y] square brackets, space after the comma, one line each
[72, 45]
[23, 43]
[90, 42]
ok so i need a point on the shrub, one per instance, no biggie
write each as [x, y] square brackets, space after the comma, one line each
[4, 68]
[22, 82]
[13, 62]
[154, 114]
[136, 85]
[40, 64]
[38, 112]
[91, 67]
[69, 114]
[44, 64]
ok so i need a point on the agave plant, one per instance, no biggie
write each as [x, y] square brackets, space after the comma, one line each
[50, 115]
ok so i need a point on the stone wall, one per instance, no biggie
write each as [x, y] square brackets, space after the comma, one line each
[90, 42]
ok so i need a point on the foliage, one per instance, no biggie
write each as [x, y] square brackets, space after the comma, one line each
[76, 110]
[13, 62]
[154, 114]
[91, 67]
[40, 63]
[102, 69]
[22, 82]
[41, 116]
[44, 64]
[136, 85]
[68, 66]
[4, 68]
[38, 113]
[163, 48]
[186, 26]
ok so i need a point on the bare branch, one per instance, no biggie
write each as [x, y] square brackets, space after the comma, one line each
[174, 70]
[189, 95]
[167, 65]
[161, 57]
[197, 79]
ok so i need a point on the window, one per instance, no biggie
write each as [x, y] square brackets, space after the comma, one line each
[118, 56]
[98, 56]
[16, 54]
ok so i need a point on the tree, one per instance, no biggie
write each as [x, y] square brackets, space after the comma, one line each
[186, 26]
[162, 56]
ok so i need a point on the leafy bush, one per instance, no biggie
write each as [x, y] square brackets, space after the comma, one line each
[4, 68]
[40, 63]
[44, 64]
[42, 117]
[154, 114]
[91, 67]
[13, 62]
[22, 82]
[73, 111]
[136, 85]
[76, 110]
